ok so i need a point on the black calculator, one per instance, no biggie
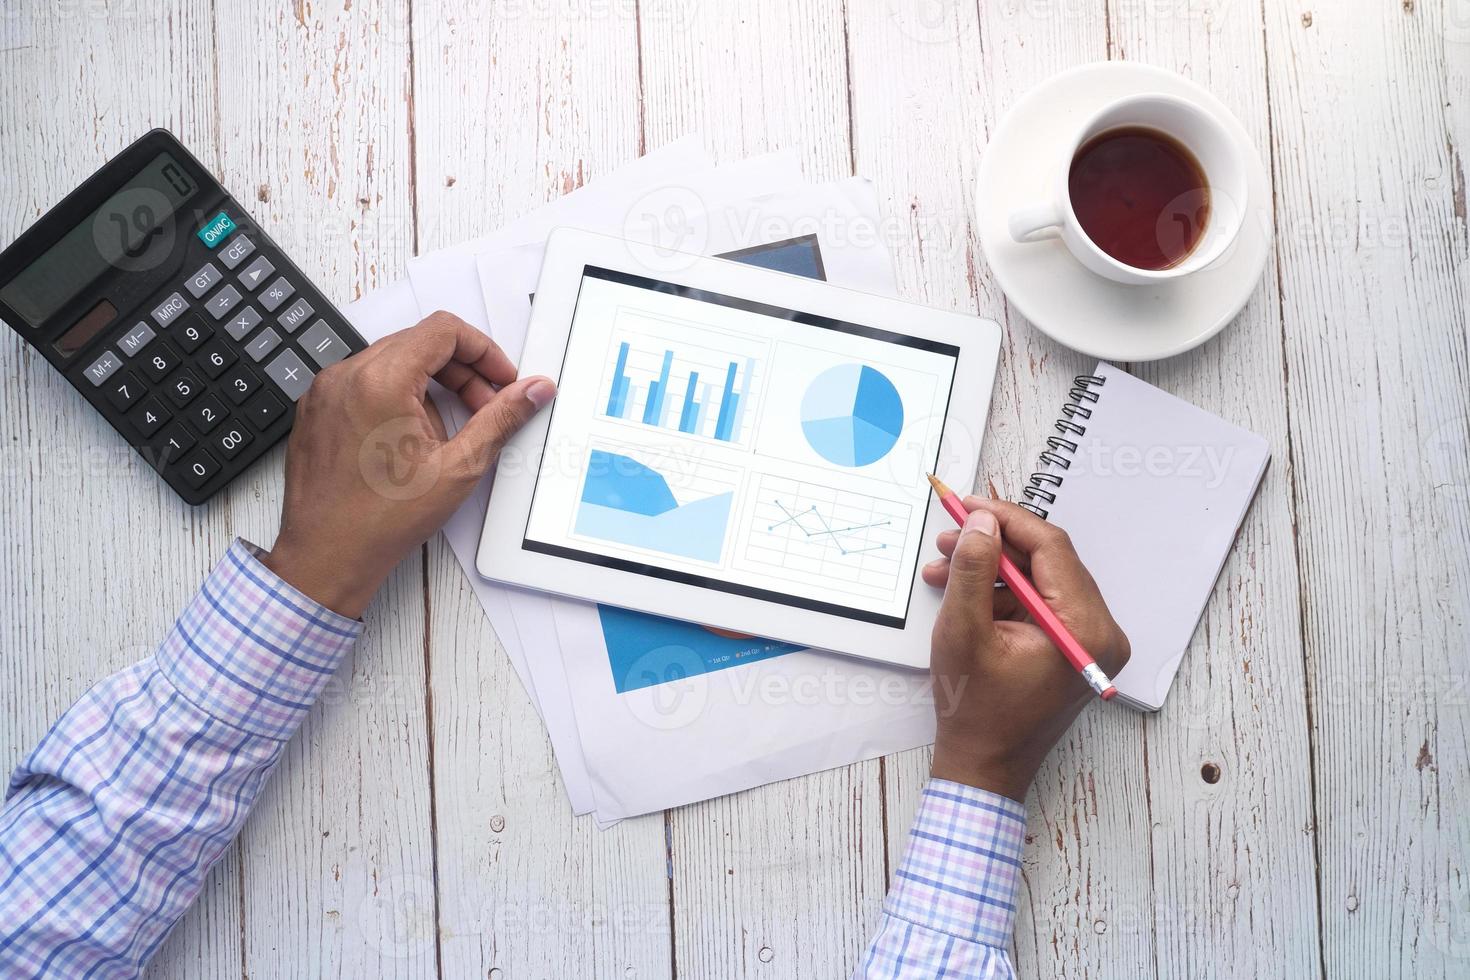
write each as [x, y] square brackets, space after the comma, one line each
[151, 289]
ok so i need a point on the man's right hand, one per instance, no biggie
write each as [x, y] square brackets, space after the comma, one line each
[1003, 693]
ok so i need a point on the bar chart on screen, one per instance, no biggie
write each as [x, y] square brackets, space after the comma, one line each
[683, 378]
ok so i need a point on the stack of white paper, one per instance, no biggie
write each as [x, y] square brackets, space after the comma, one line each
[646, 713]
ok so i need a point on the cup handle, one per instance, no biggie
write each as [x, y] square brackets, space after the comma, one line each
[1035, 223]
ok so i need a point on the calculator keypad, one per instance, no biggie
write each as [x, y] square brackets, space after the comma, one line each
[227, 370]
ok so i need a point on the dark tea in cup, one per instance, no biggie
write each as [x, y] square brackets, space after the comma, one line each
[1140, 195]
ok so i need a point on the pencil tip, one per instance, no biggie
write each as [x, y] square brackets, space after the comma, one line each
[937, 484]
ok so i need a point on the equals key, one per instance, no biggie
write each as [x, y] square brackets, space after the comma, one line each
[322, 345]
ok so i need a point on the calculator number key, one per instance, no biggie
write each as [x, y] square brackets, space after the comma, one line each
[232, 439]
[203, 281]
[193, 332]
[199, 468]
[149, 417]
[240, 384]
[183, 388]
[123, 391]
[175, 441]
[159, 361]
[216, 357]
[206, 413]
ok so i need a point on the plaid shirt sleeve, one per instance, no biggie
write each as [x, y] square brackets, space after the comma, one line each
[113, 821]
[952, 905]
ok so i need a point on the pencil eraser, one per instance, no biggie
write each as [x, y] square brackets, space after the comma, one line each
[1109, 694]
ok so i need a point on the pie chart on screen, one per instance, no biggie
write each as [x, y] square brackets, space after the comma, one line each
[851, 415]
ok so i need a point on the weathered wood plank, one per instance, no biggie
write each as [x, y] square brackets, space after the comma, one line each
[1234, 873]
[88, 530]
[755, 892]
[749, 78]
[313, 135]
[1370, 200]
[516, 105]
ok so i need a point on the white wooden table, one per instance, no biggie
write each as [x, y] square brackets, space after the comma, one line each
[1298, 809]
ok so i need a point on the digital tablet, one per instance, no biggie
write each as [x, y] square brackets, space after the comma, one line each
[738, 447]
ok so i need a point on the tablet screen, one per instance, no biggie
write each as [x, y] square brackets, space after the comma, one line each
[725, 443]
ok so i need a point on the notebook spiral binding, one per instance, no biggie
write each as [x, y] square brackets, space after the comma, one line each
[1059, 448]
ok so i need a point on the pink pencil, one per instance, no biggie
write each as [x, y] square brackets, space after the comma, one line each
[1050, 624]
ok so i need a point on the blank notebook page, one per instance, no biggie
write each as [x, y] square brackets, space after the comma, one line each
[1152, 497]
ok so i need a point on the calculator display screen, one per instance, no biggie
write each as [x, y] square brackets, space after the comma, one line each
[121, 229]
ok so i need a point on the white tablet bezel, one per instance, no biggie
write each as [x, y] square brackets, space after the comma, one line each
[502, 557]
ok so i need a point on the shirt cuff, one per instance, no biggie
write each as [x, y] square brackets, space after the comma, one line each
[253, 651]
[963, 865]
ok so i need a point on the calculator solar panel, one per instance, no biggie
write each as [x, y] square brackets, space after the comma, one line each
[151, 289]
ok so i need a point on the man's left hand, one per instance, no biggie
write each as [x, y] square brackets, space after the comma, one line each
[370, 473]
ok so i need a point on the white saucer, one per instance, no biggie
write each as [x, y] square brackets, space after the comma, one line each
[1050, 288]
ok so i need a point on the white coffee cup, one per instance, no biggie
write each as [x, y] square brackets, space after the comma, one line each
[1194, 128]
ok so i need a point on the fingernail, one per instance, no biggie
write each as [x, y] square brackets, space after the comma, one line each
[980, 520]
[541, 393]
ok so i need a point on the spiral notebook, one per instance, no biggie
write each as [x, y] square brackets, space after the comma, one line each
[1152, 491]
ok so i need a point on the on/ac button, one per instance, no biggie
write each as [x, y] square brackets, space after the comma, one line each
[216, 229]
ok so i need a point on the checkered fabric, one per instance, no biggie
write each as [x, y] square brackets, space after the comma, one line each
[112, 823]
[952, 905]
